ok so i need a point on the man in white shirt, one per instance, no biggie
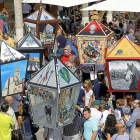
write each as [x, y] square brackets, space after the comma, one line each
[26, 9]
[10, 111]
[95, 113]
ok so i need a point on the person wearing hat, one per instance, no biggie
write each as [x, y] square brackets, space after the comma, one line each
[95, 113]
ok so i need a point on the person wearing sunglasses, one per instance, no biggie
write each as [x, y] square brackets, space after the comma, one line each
[120, 128]
[131, 123]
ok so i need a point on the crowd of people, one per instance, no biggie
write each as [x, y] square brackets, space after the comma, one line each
[99, 114]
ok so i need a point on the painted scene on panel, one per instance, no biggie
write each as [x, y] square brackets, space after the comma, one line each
[30, 27]
[91, 52]
[67, 102]
[13, 77]
[124, 75]
[47, 33]
[29, 42]
[34, 61]
[44, 105]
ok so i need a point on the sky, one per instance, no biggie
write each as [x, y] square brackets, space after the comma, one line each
[33, 54]
[8, 70]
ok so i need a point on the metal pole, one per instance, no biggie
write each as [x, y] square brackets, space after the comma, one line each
[74, 20]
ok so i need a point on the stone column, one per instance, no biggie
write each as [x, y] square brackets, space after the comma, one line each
[85, 17]
[18, 20]
[109, 16]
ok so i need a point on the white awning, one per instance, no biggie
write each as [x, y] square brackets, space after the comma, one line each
[65, 3]
[116, 5]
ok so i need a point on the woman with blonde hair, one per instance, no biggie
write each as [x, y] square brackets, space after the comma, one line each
[88, 89]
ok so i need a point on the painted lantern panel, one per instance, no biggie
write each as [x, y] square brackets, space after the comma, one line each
[124, 74]
[92, 52]
[44, 105]
[67, 102]
[47, 33]
[13, 77]
[34, 61]
[30, 27]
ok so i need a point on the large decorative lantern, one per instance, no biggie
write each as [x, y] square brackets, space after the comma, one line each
[92, 41]
[29, 44]
[53, 93]
[13, 66]
[42, 25]
[123, 66]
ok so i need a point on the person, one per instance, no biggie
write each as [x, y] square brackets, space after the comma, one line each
[67, 54]
[130, 26]
[10, 112]
[105, 113]
[129, 100]
[131, 123]
[2, 25]
[136, 41]
[6, 123]
[96, 81]
[121, 28]
[86, 68]
[90, 126]
[26, 9]
[71, 131]
[115, 23]
[105, 21]
[109, 130]
[131, 35]
[137, 34]
[60, 9]
[25, 123]
[95, 113]
[126, 110]
[78, 21]
[61, 40]
[8, 40]
[120, 128]
[6, 15]
[73, 43]
[17, 100]
[88, 89]
[118, 111]
[135, 134]
[112, 40]
[100, 89]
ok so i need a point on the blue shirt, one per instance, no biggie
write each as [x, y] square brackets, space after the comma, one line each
[131, 37]
[134, 117]
[62, 40]
[100, 89]
[80, 98]
[90, 125]
[73, 48]
[96, 81]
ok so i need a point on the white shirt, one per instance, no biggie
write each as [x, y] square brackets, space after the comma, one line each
[16, 102]
[11, 113]
[26, 8]
[105, 114]
[87, 96]
[96, 114]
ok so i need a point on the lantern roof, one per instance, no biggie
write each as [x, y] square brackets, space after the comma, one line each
[95, 28]
[123, 49]
[29, 42]
[54, 75]
[8, 54]
[40, 15]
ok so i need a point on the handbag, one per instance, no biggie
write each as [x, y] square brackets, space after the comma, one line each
[35, 128]
[16, 135]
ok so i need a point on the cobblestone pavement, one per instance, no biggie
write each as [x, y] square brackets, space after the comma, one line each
[39, 134]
